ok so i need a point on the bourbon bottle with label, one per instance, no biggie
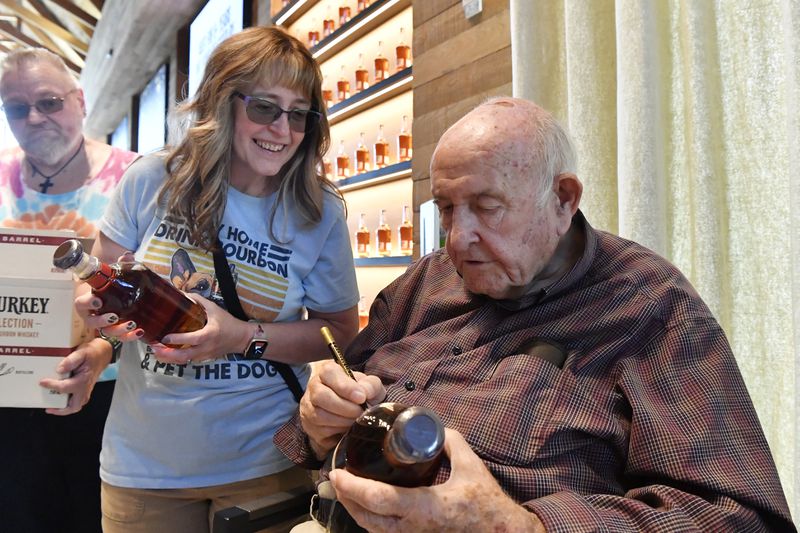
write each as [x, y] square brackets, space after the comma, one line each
[362, 5]
[344, 15]
[363, 313]
[342, 162]
[133, 292]
[381, 149]
[383, 235]
[404, 148]
[381, 64]
[362, 76]
[343, 86]
[362, 237]
[362, 156]
[328, 24]
[403, 53]
[327, 93]
[405, 233]
[313, 38]
[395, 444]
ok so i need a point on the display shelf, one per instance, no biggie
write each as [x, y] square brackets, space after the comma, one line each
[379, 11]
[292, 12]
[393, 260]
[374, 177]
[380, 92]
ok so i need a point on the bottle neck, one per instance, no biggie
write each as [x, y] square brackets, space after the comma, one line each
[93, 271]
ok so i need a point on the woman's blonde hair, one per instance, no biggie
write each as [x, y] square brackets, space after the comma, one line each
[197, 184]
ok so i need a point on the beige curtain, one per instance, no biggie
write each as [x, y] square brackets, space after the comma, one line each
[686, 115]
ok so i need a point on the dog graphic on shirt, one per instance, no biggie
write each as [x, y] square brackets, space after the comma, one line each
[185, 277]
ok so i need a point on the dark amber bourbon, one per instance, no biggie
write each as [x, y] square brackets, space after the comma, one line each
[395, 444]
[133, 292]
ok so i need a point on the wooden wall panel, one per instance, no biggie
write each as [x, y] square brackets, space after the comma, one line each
[458, 63]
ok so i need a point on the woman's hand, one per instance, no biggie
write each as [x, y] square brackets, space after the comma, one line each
[83, 366]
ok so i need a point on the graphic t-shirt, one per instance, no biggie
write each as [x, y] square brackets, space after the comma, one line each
[78, 210]
[209, 423]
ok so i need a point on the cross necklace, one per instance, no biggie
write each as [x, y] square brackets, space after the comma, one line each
[47, 183]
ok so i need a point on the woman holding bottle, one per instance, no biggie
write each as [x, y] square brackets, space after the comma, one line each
[191, 424]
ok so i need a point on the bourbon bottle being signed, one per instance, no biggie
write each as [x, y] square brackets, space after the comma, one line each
[133, 292]
[396, 444]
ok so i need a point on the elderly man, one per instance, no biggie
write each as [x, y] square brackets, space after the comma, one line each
[58, 179]
[584, 384]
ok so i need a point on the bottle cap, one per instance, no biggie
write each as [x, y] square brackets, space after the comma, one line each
[68, 254]
[417, 435]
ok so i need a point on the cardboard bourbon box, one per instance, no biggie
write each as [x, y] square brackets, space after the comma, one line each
[38, 323]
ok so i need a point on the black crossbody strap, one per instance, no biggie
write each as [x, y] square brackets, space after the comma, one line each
[234, 306]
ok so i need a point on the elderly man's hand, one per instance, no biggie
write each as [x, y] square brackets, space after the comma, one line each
[471, 500]
[332, 402]
[83, 366]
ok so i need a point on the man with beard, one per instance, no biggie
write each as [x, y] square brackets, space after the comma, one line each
[55, 179]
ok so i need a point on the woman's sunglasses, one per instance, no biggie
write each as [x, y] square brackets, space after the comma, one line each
[262, 111]
[45, 106]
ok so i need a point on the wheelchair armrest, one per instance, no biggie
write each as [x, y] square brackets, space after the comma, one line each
[264, 512]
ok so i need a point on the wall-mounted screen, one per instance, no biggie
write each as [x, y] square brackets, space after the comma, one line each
[153, 113]
[216, 21]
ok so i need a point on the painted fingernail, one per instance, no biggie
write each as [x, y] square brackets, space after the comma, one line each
[112, 319]
[97, 304]
[139, 332]
[130, 326]
[166, 340]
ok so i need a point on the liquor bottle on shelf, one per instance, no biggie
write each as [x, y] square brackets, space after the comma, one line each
[342, 162]
[342, 86]
[362, 76]
[327, 167]
[395, 444]
[313, 35]
[362, 156]
[344, 15]
[328, 24]
[327, 93]
[383, 235]
[362, 5]
[404, 143]
[285, 3]
[133, 292]
[403, 52]
[363, 313]
[362, 237]
[381, 65]
[405, 233]
[381, 149]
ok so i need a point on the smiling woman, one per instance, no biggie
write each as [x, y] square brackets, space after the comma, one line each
[239, 214]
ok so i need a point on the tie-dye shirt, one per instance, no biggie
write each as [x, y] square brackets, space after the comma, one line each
[78, 210]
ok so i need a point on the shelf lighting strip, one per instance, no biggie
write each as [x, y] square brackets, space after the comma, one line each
[359, 25]
[375, 181]
[292, 10]
[359, 103]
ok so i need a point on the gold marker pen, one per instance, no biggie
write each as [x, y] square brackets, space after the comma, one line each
[337, 355]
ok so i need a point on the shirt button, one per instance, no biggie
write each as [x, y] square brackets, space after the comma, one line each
[457, 350]
[410, 385]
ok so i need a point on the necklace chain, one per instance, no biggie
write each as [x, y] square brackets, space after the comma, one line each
[46, 184]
